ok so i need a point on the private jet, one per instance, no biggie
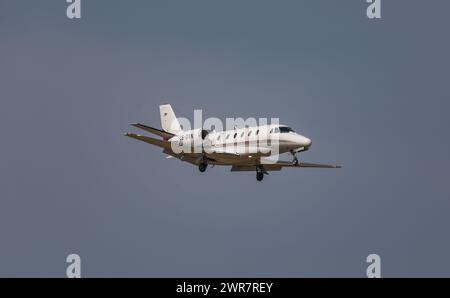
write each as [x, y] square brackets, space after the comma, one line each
[244, 149]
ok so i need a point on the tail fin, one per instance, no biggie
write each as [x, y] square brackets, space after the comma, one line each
[169, 121]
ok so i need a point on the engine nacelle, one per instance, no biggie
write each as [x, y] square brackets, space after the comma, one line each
[190, 141]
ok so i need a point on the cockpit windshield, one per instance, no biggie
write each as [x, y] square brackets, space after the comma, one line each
[285, 129]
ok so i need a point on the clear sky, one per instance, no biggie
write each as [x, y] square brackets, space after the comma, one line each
[372, 95]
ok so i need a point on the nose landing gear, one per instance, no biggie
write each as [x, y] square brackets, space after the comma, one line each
[260, 171]
[295, 159]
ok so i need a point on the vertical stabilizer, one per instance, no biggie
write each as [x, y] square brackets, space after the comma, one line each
[169, 121]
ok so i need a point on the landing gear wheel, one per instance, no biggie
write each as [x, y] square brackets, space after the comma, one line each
[259, 176]
[295, 159]
[202, 167]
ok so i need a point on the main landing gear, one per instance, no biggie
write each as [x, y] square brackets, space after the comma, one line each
[260, 171]
[202, 167]
[202, 160]
[259, 176]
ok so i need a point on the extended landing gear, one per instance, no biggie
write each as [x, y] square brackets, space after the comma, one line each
[202, 167]
[260, 173]
[295, 159]
[259, 176]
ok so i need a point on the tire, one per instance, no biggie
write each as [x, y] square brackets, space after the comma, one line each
[202, 167]
[259, 176]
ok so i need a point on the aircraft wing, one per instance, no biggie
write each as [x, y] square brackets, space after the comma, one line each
[164, 134]
[288, 164]
[192, 158]
[279, 165]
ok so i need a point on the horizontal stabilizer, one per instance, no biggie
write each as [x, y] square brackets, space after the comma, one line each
[165, 135]
[152, 141]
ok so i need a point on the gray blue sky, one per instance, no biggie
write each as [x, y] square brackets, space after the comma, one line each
[372, 95]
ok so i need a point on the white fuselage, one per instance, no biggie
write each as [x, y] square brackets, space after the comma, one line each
[263, 140]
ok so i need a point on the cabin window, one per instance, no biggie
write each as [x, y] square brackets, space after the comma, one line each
[228, 136]
[218, 138]
[235, 135]
[257, 132]
[250, 133]
[271, 131]
[276, 130]
[242, 134]
[192, 135]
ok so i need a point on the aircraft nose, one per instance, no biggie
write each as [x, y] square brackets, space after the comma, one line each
[304, 141]
[308, 142]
